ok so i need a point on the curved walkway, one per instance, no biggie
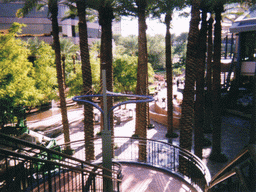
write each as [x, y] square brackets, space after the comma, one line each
[147, 179]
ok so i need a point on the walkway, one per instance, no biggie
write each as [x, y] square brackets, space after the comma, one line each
[146, 179]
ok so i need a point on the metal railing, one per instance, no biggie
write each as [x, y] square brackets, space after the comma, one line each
[153, 153]
[239, 175]
[25, 166]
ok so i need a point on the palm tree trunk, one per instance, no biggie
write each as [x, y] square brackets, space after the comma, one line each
[63, 58]
[208, 102]
[55, 31]
[142, 79]
[187, 116]
[168, 63]
[199, 104]
[74, 63]
[87, 81]
[217, 111]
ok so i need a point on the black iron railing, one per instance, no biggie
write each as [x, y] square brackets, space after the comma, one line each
[239, 175]
[153, 153]
[25, 166]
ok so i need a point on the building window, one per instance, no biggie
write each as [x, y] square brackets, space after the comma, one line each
[248, 48]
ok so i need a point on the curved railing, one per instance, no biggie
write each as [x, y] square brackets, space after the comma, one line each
[154, 153]
[25, 166]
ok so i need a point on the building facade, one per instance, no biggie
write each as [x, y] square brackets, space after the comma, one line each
[38, 23]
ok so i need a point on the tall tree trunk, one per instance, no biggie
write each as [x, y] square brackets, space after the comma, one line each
[187, 116]
[53, 6]
[105, 19]
[168, 63]
[142, 78]
[87, 80]
[63, 58]
[217, 111]
[74, 63]
[208, 102]
[199, 104]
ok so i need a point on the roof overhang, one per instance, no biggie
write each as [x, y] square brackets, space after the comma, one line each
[243, 25]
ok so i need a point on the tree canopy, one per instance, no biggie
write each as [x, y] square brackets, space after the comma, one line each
[15, 76]
[29, 84]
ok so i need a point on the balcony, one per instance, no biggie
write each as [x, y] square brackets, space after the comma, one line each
[151, 164]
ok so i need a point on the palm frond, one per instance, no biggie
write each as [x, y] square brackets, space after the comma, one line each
[30, 5]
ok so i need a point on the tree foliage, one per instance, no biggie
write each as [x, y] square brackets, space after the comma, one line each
[23, 83]
[16, 80]
[125, 73]
[75, 81]
[44, 72]
[180, 48]
[156, 49]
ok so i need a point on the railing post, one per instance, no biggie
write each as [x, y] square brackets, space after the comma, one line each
[83, 187]
[49, 173]
[106, 140]
[7, 173]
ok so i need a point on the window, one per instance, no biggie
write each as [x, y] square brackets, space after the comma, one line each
[248, 48]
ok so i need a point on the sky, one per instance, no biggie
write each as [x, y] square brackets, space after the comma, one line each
[129, 26]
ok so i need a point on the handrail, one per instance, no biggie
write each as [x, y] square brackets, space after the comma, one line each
[222, 178]
[235, 160]
[18, 154]
[186, 152]
[232, 168]
[15, 154]
[155, 149]
[34, 146]
[143, 99]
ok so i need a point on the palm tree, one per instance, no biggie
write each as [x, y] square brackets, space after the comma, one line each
[168, 63]
[29, 5]
[53, 9]
[216, 154]
[67, 48]
[79, 8]
[186, 122]
[199, 104]
[187, 116]
[142, 77]
[106, 10]
[208, 99]
[87, 80]
[167, 7]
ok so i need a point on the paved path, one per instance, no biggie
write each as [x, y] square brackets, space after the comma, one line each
[135, 181]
